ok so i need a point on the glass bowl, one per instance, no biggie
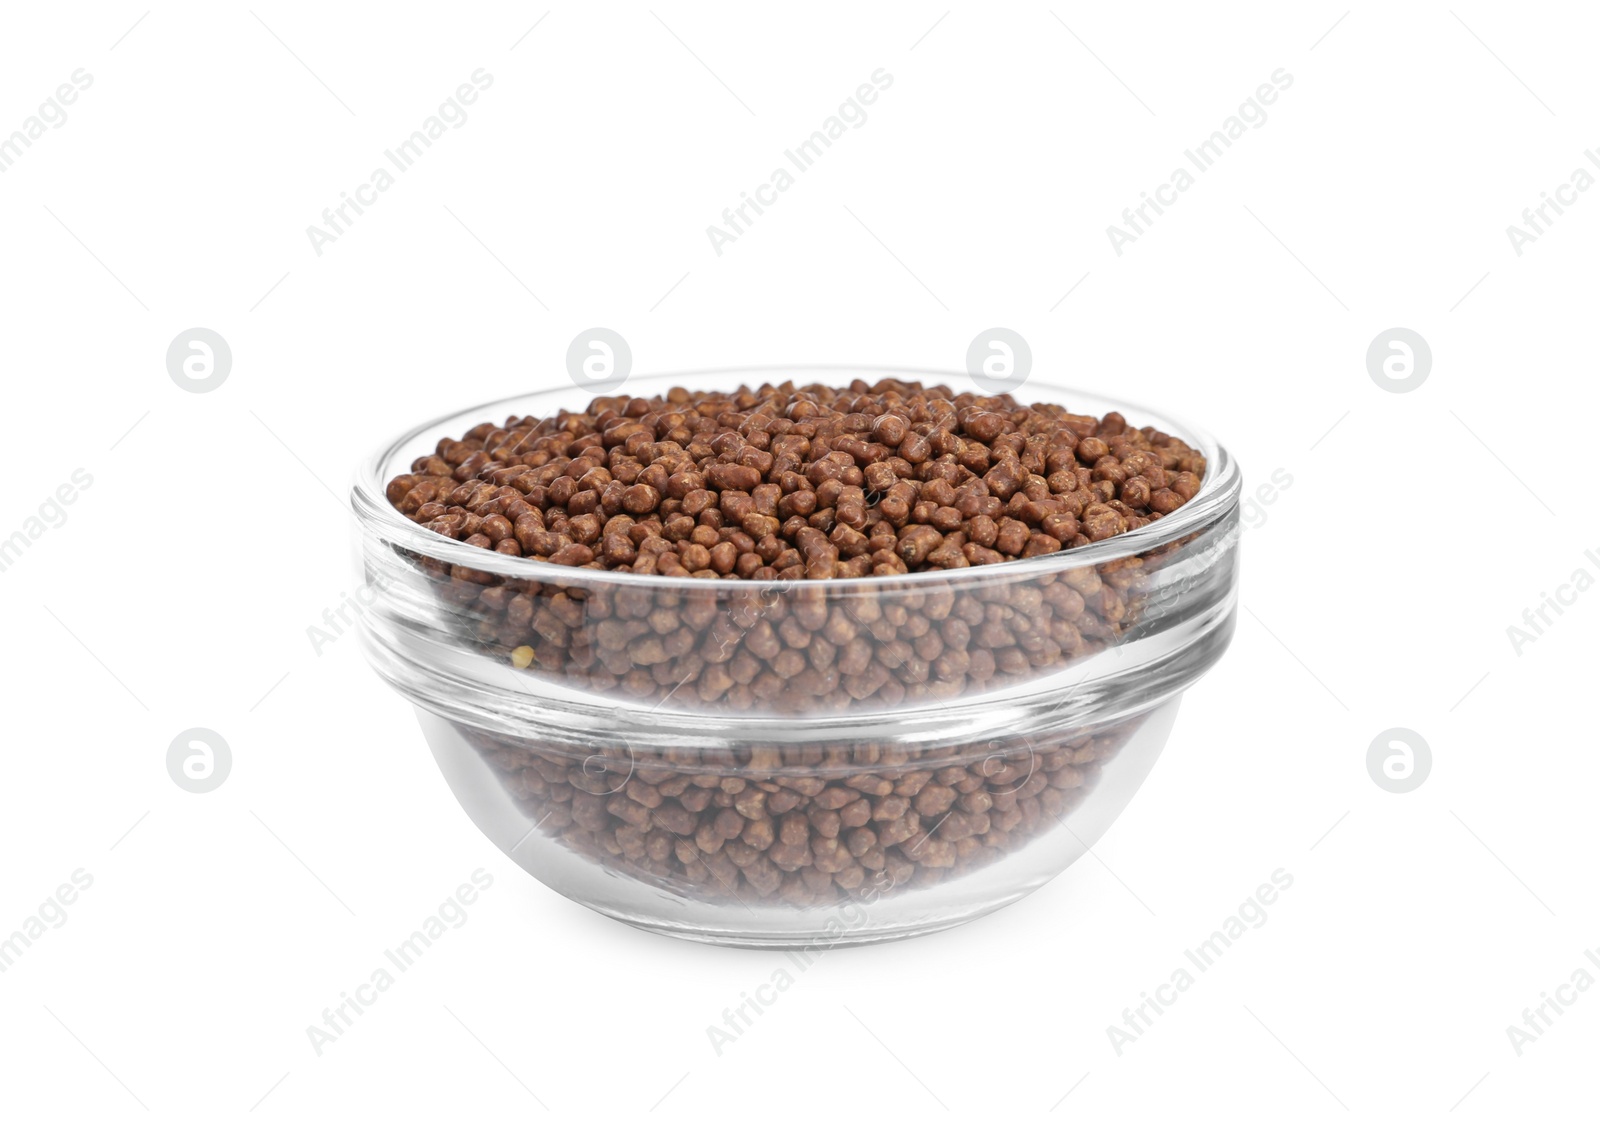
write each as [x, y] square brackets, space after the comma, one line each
[796, 763]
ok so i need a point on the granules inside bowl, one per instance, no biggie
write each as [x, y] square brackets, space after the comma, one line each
[805, 828]
[791, 487]
[792, 483]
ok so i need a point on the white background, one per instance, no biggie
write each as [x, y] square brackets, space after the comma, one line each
[1378, 586]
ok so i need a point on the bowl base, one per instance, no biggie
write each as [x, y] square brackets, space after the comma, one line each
[806, 942]
[632, 898]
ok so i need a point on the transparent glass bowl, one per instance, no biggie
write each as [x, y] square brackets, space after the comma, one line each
[797, 763]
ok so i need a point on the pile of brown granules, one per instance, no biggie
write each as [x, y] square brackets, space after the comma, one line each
[793, 483]
[778, 830]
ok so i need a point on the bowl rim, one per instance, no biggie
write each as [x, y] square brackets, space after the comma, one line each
[1219, 492]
